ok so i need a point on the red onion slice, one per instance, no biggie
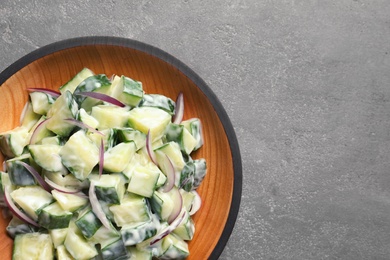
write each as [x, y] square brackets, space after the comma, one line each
[97, 208]
[45, 90]
[177, 205]
[166, 231]
[15, 210]
[149, 148]
[36, 175]
[170, 172]
[40, 127]
[101, 158]
[60, 188]
[82, 125]
[102, 97]
[178, 117]
[196, 203]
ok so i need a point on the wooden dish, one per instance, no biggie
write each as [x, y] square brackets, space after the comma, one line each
[53, 65]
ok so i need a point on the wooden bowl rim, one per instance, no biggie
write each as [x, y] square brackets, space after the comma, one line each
[199, 82]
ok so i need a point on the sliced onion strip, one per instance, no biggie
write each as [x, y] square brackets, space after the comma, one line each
[102, 97]
[177, 205]
[82, 125]
[97, 208]
[45, 90]
[178, 117]
[36, 175]
[166, 231]
[40, 127]
[15, 210]
[170, 172]
[60, 188]
[149, 148]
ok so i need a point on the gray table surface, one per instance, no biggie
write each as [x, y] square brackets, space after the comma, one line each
[306, 84]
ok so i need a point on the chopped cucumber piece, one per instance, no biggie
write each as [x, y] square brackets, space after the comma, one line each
[63, 108]
[149, 118]
[17, 173]
[93, 230]
[87, 119]
[182, 136]
[127, 90]
[188, 199]
[72, 84]
[110, 116]
[172, 150]
[77, 245]
[162, 204]
[88, 223]
[158, 101]
[143, 179]
[31, 199]
[47, 156]
[110, 188]
[54, 216]
[200, 172]
[68, 201]
[194, 126]
[17, 227]
[118, 157]
[187, 176]
[107, 135]
[29, 117]
[80, 155]
[12, 142]
[137, 232]
[55, 140]
[115, 251]
[127, 134]
[137, 254]
[62, 253]
[132, 209]
[41, 102]
[186, 228]
[96, 83]
[133, 234]
[58, 236]
[175, 247]
[33, 246]
[5, 182]
[37, 135]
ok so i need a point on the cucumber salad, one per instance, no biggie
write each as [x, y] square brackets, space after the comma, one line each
[101, 170]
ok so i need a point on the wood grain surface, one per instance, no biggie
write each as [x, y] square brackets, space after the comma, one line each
[157, 76]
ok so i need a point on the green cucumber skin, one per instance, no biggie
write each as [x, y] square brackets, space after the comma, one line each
[158, 101]
[18, 174]
[107, 194]
[88, 224]
[115, 251]
[200, 172]
[53, 222]
[137, 234]
[91, 83]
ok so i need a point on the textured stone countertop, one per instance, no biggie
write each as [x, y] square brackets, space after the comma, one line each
[306, 84]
